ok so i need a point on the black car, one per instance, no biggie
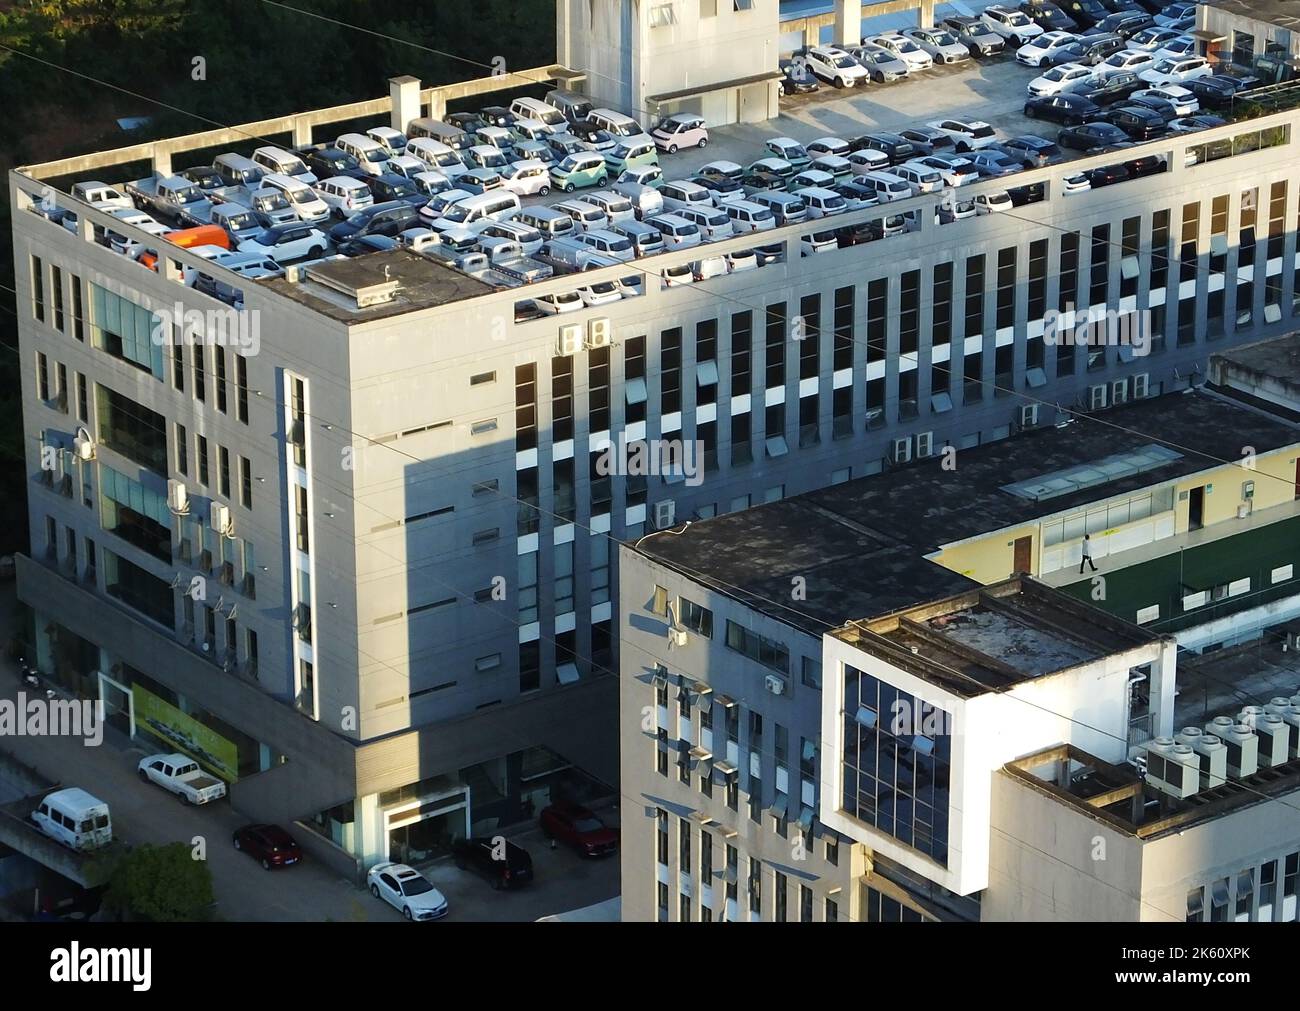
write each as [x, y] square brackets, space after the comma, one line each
[1088, 136]
[1085, 12]
[1136, 122]
[928, 140]
[1152, 7]
[1199, 121]
[798, 79]
[327, 162]
[1215, 92]
[1107, 175]
[391, 219]
[1033, 152]
[856, 235]
[1162, 107]
[770, 253]
[589, 133]
[470, 122]
[1115, 89]
[1068, 110]
[760, 179]
[1088, 51]
[205, 177]
[1125, 24]
[498, 115]
[896, 148]
[504, 864]
[857, 194]
[1031, 194]
[1242, 80]
[1048, 16]
[720, 187]
[1147, 165]
[1119, 6]
[390, 186]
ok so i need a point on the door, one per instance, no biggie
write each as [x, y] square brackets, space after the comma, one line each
[1195, 508]
[1021, 555]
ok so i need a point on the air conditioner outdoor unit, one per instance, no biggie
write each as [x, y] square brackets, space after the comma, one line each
[901, 451]
[1243, 745]
[219, 517]
[1173, 768]
[1214, 755]
[178, 499]
[678, 637]
[1141, 385]
[1274, 735]
[570, 342]
[924, 444]
[1096, 397]
[665, 513]
[1119, 391]
[83, 448]
[1028, 415]
[774, 684]
[598, 333]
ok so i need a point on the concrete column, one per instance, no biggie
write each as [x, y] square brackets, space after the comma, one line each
[162, 160]
[925, 14]
[437, 107]
[1161, 694]
[404, 94]
[848, 22]
[301, 132]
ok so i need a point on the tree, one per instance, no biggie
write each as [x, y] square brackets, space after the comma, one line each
[163, 884]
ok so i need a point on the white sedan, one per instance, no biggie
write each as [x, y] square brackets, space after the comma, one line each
[967, 135]
[601, 293]
[564, 301]
[991, 203]
[1177, 71]
[406, 889]
[1032, 54]
[904, 48]
[1061, 80]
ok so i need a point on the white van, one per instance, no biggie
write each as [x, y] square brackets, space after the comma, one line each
[286, 163]
[437, 156]
[886, 185]
[533, 108]
[406, 165]
[391, 140]
[302, 198]
[478, 210]
[526, 178]
[584, 214]
[531, 129]
[372, 155]
[678, 233]
[607, 243]
[646, 240]
[787, 208]
[551, 223]
[822, 203]
[646, 200]
[713, 223]
[682, 193]
[747, 216]
[345, 195]
[868, 160]
[616, 206]
[921, 178]
[75, 818]
[572, 106]
[615, 122]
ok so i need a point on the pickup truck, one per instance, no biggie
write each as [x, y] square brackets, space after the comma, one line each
[506, 258]
[181, 775]
[101, 196]
[173, 199]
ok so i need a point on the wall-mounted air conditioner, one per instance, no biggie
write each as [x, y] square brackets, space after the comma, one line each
[570, 339]
[178, 499]
[83, 447]
[924, 444]
[1096, 398]
[1119, 391]
[1141, 385]
[219, 518]
[901, 451]
[1028, 415]
[774, 684]
[665, 514]
[599, 333]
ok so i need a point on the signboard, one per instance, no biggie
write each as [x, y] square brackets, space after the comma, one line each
[212, 751]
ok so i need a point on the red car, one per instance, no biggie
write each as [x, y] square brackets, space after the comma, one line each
[579, 828]
[269, 844]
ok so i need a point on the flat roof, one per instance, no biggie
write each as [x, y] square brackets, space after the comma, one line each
[1277, 12]
[1222, 682]
[860, 546]
[1276, 359]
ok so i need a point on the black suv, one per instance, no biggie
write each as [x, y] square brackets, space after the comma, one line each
[1088, 50]
[1137, 122]
[391, 219]
[1085, 12]
[504, 864]
[470, 122]
[1048, 16]
[391, 187]
[1115, 88]
[897, 149]
[328, 162]
[1125, 24]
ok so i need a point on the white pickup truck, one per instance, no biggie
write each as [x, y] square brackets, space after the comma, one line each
[182, 776]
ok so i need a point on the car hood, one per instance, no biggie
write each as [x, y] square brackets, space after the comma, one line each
[432, 899]
[600, 837]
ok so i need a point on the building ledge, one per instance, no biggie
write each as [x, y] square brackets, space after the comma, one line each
[708, 89]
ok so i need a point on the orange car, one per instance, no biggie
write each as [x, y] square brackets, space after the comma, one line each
[201, 235]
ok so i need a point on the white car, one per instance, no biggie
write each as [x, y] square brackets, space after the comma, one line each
[967, 135]
[680, 274]
[1011, 25]
[991, 203]
[1176, 49]
[408, 890]
[281, 243]
[837, 67]
[1183, 101]
[1177, 71]
[953, 170]
[563, 301]
[940, 43]
[904, 48]
[1061, 80]
[526, 178]
[601, 293]
[827, 145]
[742, 259]
[1032, 54]
[181, 775]
[1153, 38]
[1078, 183]
[818, 242]
[1174, 12]
[1135, 60]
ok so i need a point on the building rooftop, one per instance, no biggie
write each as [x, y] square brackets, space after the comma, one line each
[1278, 12]
[1265, 371]
[861, 546]
[1222, 682]
[993, 638]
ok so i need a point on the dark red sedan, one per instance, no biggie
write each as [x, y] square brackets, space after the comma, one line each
[581, 829]
[271, 845]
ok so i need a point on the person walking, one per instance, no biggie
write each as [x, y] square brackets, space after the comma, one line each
[1087, 555]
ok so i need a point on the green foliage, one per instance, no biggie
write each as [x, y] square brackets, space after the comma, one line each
[163, 884]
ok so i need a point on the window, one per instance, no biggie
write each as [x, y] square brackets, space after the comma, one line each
[832, 911]
[766, 651]
[300, 513]
[670, 370]
[706, 857]
[219, 360]
[1159, 249]
[1099, 266]
[38, 289]
[562, 399]
[755, 888]
[1006, 293]
[1037, 307]
[526, 407]
[812, 672]
[298, 422]
[775, 346]
[805, 904]
[634, 385]
[198, 353]
[1188, 241]
[843, 337]
[1069, 274]
[695, 617]
[528, 587]
[223, 472]
[241, 388]
[78, 330]
[42, 377]
[564, 578]
[245, 483]
[1277, 220]
[483, 427]
[132, 430]
[182, 451]
[56, 289]
[1129, 266]
[135, 513]
[530, 667]
[202, 444]
[974, 296]
[125, 330]
[941, 305]
[482, 377]
[781, 887]
[706, 365]
[598, 389]
[877, 319]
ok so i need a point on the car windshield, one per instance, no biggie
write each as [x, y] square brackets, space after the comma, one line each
[188, 195]
[906, 46]
[415, 886]
[272, 202]
[1165, 67]
[844, 61]
[588, 823]
[603, 288]
[1017, 20]
[402, 189]
[620, 245]
[1056, 74]
[245, 220]
[457, 213]
[101, 821]
[943, 39]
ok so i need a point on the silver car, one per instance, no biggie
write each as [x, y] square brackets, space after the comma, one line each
[974, 35]
[881, 64]
[939, 43]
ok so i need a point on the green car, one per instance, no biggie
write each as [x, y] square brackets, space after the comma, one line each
[632, 152]
[644, 175]
[579, 171]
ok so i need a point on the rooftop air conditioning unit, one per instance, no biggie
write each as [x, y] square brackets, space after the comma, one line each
[1096, 398]
[178, 499]
[598, 333]
[1243, 745]
[924, 444]
[1172, 768]
[570, 341]
[665, 513]
[1213, 755]
[901, 451]
[1274, 739]
[1292, 719]
[1277, 704]
[219, 518]
[1028, 415]
[1141, 385]
[774, 684]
